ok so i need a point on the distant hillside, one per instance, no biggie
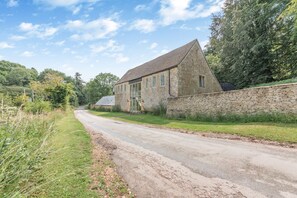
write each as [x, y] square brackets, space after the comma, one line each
[16, 74]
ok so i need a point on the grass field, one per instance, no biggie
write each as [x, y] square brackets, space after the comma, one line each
[279, 132]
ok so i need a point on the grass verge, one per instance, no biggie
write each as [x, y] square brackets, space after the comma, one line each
[279, 132]
[71, 168]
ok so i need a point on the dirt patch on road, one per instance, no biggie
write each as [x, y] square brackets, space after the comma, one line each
[105, 180]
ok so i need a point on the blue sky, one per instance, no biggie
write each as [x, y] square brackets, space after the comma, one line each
[93, 36]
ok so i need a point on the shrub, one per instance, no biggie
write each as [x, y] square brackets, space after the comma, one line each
[160, 109]
[116, 108]
[38, 107]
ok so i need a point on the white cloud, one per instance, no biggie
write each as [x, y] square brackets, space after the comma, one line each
[144, 25]
[143, 41]
[41, 31]
[28, 27]
[12, 3]
[27, 54]
[50, 31]
[76, 10]
[153, 45]
[17, 37]
[203, 44]
[4, 45]
[93, 30]
[110, 49]
[175, 10]
[64, 3]
[59, 43]
[120, 58]
[110, 46]
[1, 57]
[164, 51]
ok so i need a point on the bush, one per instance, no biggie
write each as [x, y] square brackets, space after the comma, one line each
[160, 109]
[38, 107]
[116, 108]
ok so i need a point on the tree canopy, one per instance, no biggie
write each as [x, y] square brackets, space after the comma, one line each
[101, 85]
[250, 43]
[16, 74]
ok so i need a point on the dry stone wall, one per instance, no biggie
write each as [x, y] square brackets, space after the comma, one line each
[270, 99]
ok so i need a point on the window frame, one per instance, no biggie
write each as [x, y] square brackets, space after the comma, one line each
[201, 81]
[154, 81]
[162, 80]
[147, 83]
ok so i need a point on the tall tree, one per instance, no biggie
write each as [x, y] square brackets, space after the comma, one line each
[101, 85]
[79, 85]
[248, 45]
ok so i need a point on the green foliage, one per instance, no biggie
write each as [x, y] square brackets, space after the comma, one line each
[16, 74]
[38, 107]
[293, 80]
[79, 89]
[101, 85]
[259, 117]
[22, 148]
[160, 109]
[116, 108]
[66, 170]
[248, 45]
[53, 89]
[43, 75]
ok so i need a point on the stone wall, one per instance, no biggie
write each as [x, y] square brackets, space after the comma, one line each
[270, 99]
[189, 70]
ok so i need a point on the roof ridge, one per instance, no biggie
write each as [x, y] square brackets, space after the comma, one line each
[160, 63]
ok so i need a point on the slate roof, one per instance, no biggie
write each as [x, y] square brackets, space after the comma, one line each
[227, 86]
[161, 63]
[106, 101]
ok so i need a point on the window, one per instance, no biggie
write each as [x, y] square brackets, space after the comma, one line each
[154, 81]
[121, 88]
[146, 83]
[162, 80]
[124, 88]
[202, 81]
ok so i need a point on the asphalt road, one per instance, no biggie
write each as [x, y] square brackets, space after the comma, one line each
[163, 163]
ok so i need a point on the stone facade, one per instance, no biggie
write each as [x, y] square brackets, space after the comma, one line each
[122, 96]
[189, 70]
[270, 99]
[180, 80]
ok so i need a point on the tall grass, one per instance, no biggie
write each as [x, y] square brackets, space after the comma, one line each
[22, 150]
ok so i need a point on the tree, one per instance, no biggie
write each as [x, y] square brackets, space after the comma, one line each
[16, 74]
[19, 76]
[53, 89]
[248, 45]
[79, 89]
[101, 85]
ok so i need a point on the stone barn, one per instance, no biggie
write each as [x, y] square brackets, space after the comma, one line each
[183, 71]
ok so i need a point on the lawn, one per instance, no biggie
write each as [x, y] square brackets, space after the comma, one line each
[280, 132]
